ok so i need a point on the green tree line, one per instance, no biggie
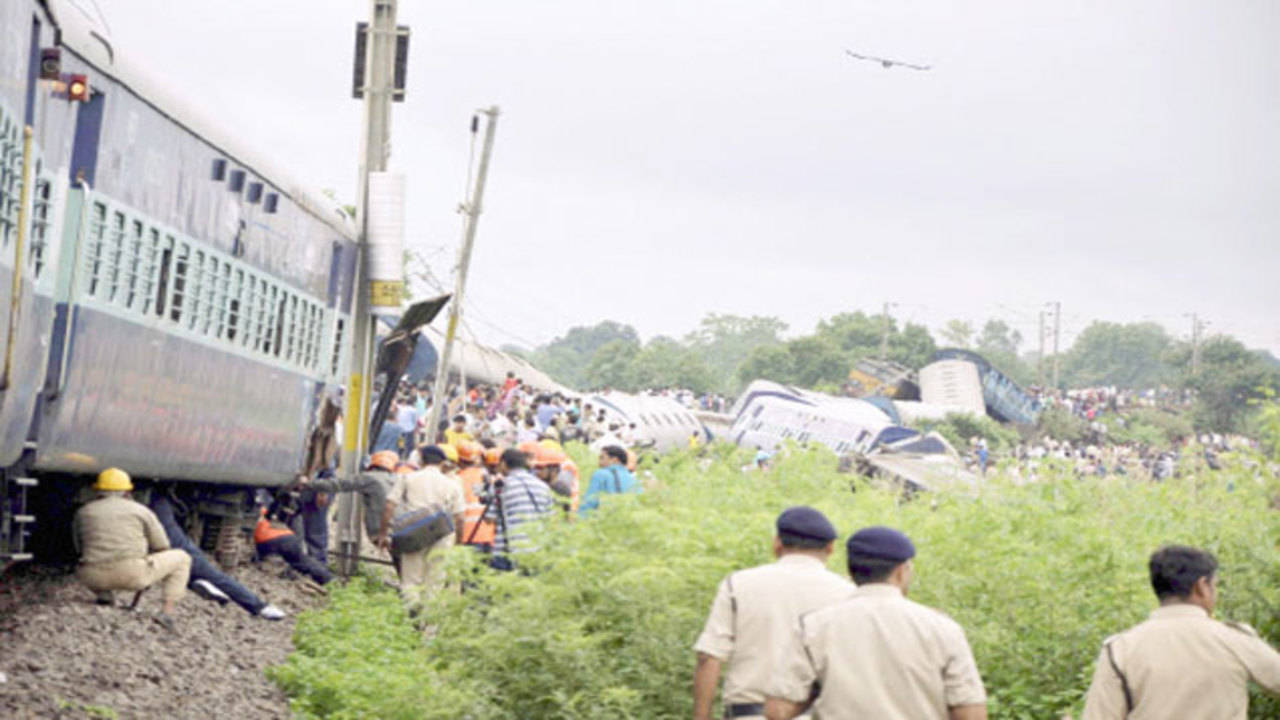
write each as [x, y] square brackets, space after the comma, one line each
[725, 352]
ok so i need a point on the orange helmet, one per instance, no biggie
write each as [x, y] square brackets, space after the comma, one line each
[548, 456]
[492, 456]
[405, 468]
[528, 447]
[384, 460]
[470, 451]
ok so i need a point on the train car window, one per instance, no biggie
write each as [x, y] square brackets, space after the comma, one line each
[179, 296]
[116, 258]
[317, 331]
[281, 303]
[40, 224]
[235, 182]
[133, 265]
[271, 203]
[255, 193]
[336, 363]
[233, 305]
[224, 300]
[162, 284]
[291, 335]
[147, 269]
[10, 177]
[210, 309]
[195, 290]
[93, 252]
[219, 169]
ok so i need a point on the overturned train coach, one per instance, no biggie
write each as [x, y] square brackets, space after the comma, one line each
[768, 414]
[174, 305]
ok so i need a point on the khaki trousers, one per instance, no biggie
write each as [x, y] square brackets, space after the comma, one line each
[172, 567]
[422, 573]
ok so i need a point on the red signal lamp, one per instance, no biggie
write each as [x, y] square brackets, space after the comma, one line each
[78, 88]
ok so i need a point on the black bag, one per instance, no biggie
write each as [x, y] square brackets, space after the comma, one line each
[417, 530]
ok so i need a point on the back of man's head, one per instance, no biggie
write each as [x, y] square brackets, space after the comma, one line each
[514, 459]
[1176, 568]
[875, 552]
[616, 452]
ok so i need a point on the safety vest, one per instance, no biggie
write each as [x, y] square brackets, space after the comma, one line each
[265, 531]
[472, 479]
[571, 467]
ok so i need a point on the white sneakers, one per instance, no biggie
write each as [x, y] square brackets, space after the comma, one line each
[208, 591]
[271, 612]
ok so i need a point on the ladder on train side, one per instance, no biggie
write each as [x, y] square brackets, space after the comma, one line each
[15, 518]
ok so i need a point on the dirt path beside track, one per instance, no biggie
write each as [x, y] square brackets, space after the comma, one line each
[62, 656]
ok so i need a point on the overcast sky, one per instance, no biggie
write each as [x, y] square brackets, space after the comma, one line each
[660, 159]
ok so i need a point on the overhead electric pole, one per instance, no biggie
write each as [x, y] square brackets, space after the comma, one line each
[378, 88]
[884, 332]
[1040, 357]
[472, 210]
[1197, 328]
[1057, 335]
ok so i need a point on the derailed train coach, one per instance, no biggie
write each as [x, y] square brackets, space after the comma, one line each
[175, 304]
[769, 414]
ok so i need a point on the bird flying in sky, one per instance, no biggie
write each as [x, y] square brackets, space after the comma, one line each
[885, 62]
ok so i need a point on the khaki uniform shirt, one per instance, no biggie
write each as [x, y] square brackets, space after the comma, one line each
[427, 489]
[117, 528]
[880, 655]
[1181, 663]
[752, 616]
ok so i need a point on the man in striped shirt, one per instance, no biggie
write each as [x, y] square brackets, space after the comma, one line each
[522, 499]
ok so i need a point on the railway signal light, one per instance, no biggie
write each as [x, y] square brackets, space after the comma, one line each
[77, 88]
[50, 64]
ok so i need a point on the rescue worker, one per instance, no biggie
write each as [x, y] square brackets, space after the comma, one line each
[1181, 662]
[206, 579]
[372, 485]
[612, 477]
[476, 531]
[122, 546]
[426, 489]
[521, 499]
[877, 654]
[272, 536]
[754, 611]
[549, 465]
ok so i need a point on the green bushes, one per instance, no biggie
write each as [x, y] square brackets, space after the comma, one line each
[602, 626]
[959, 429]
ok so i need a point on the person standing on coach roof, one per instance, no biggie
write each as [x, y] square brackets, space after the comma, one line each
[754, 610]
[1180, 662]
[878, 654]
[122, 546]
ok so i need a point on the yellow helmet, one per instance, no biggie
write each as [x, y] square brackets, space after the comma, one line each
[113, 479]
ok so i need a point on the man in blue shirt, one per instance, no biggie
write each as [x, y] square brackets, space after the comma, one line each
[612, 477]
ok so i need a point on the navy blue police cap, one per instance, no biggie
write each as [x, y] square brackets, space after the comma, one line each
[881, 542]
[806, 522]
[431, 454]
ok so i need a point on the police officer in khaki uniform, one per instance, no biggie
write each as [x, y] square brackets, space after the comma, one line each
[877, 654]
[1181, 663]
[122, 546]
[422, 572]
[754, 610]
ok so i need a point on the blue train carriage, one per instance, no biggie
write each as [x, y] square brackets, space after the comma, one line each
[183, 304]
[1006, 401]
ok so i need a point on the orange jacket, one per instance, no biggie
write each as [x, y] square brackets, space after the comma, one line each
[265, 531]
[472, 479]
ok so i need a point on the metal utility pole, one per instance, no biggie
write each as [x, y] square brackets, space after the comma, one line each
[1196, 328]
[472, 210]
[1040, 357]
[1057, 335]
[375, 149]
[884, 332]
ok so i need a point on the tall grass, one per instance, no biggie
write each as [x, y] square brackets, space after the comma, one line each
[602, 624]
